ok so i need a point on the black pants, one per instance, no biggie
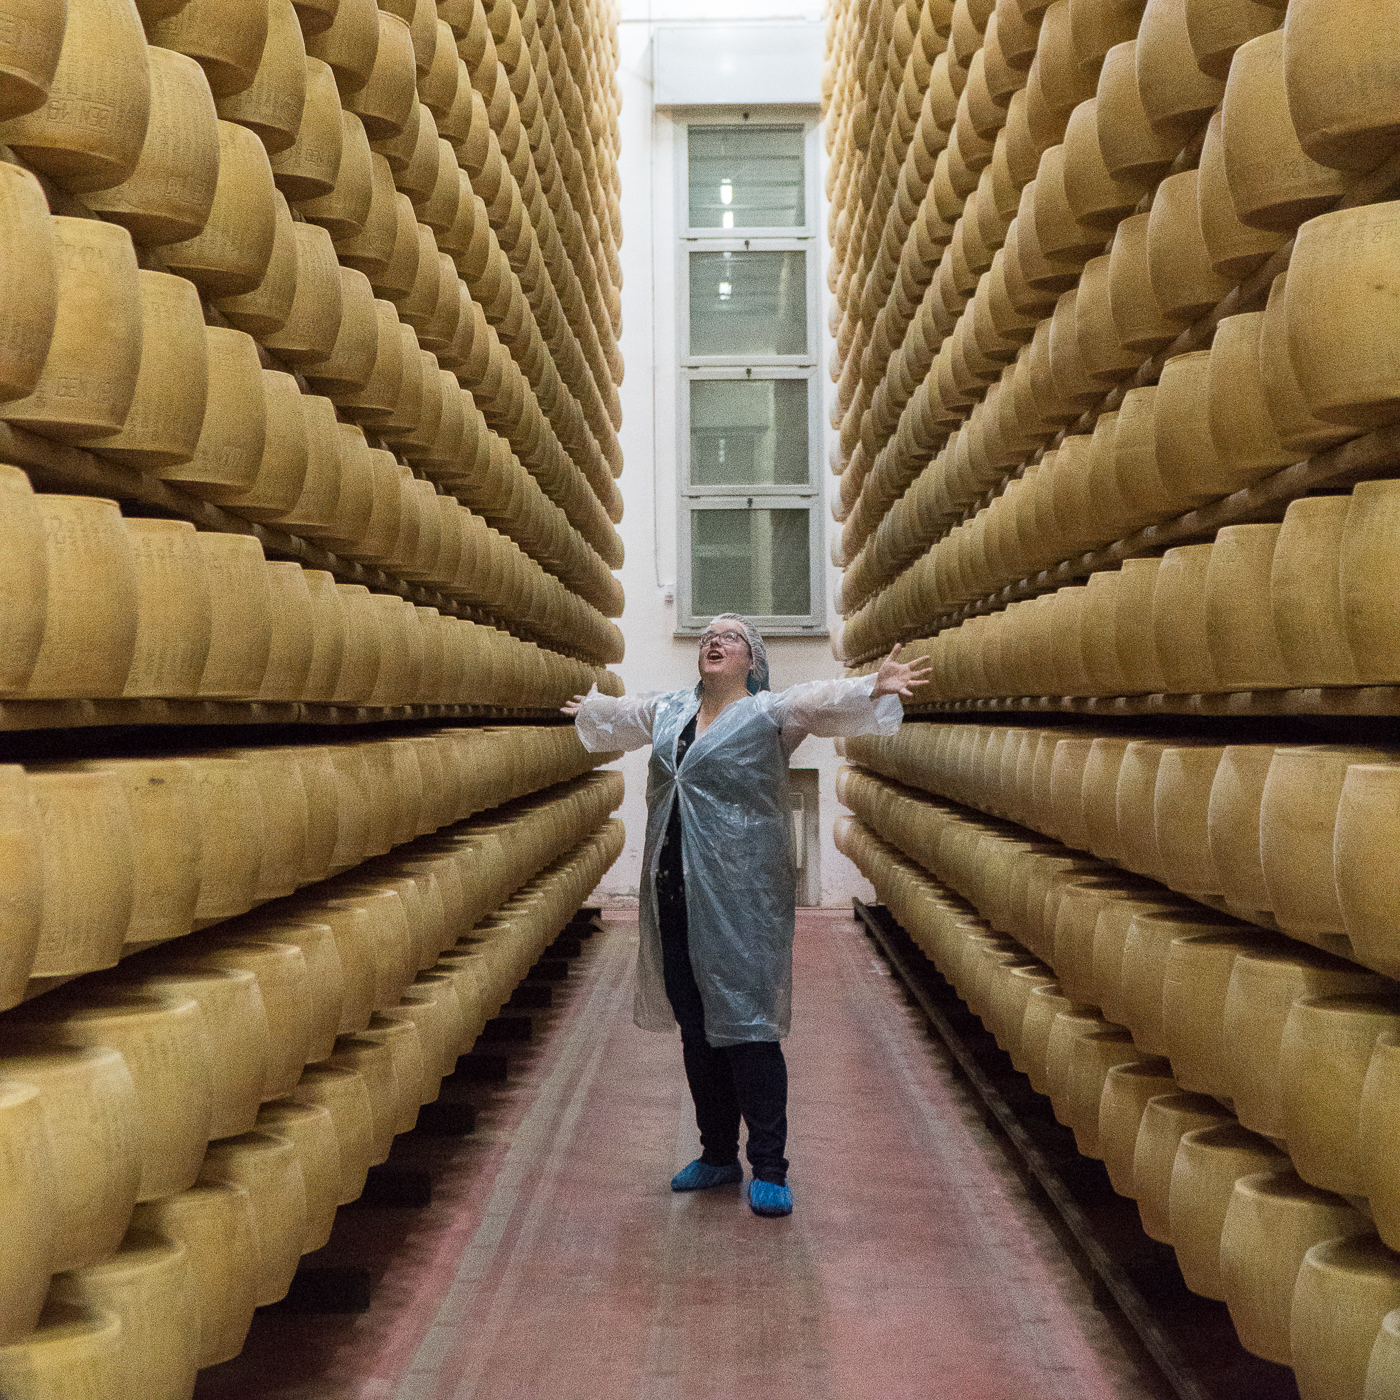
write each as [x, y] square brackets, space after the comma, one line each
[728, 1082]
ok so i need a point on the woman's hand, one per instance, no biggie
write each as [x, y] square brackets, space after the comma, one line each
[571, 709]
[899, 678]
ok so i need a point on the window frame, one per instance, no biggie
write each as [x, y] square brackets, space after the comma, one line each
[811, 152]
[691, 374]
[806, 366]
[785, 244]
[770, 624]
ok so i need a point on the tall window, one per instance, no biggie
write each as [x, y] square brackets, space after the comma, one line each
[749, 397]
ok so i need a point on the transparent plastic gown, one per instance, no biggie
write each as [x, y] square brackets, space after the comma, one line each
[736, 837]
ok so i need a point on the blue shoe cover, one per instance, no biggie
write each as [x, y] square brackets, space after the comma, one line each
[768, 1198]
[701, 1176]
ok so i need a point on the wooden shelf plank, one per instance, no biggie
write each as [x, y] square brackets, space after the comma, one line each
[1380, 700]
[20, 715]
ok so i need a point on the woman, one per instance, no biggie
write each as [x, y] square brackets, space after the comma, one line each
[718, 894]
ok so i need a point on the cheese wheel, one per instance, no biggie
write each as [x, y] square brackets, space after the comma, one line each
[225, 37]
[163, 424]
[271, 105]
[148, 1284]
[89, 375]
[28, 281]
[88, 133]
[168, 196]
[30, 1187]
[90, 618]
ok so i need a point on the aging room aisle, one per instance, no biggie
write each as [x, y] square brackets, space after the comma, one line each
[554, 1263]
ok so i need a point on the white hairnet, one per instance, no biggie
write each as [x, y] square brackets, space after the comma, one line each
[758, 653]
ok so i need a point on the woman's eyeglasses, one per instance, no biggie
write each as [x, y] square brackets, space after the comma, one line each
[725, 639]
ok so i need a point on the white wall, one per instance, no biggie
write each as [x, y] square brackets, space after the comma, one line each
[656, 660]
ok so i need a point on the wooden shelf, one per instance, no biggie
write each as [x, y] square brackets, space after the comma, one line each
[1374, 457]
[1338, 945]
[1381, 700]
[55, 467]
[20, 715]
[1366, 458]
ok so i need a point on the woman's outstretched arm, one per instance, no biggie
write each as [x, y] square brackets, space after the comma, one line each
[896, 677]
[857, 705]
[607, 723]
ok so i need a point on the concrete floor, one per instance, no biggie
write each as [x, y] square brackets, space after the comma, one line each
[554, 1263]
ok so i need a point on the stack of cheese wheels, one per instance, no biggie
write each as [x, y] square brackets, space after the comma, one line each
[227, 1090]
[349, 198]
[1237, 1082]
[310, 349]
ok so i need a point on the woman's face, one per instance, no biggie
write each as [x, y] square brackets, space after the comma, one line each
[724, 652]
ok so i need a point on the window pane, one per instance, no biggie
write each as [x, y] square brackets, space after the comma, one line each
[746, 177]
[750, 561]
[748, 303]
[748, 432]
